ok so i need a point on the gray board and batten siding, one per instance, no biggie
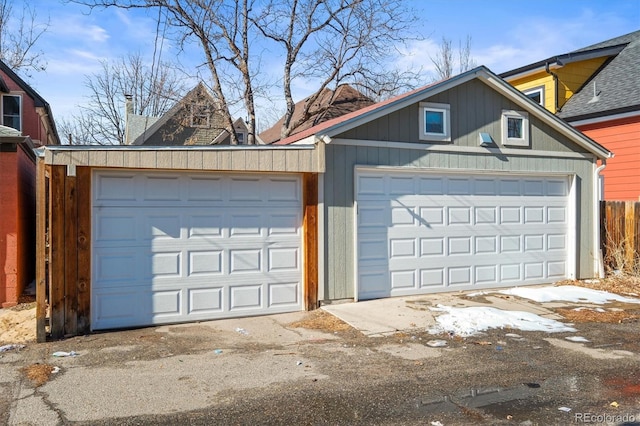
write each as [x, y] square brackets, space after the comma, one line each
[475, 107]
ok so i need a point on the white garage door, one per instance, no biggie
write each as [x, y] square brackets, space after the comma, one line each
[420, 232]
[175, 247]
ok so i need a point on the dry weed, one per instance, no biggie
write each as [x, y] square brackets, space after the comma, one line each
[624, 285]
[39, 374]
[321, 320]
[588, 315]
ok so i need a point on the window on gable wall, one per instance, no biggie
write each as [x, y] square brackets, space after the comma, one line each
[240, 137]
[200, 115]
[515, 128]
[11, 106]
[536, 95]
[435, 123]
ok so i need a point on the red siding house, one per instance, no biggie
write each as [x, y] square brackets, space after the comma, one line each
[25, 122]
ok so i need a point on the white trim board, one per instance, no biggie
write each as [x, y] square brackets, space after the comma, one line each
[461, 149]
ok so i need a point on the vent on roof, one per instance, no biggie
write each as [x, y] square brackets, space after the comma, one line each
[596, 94]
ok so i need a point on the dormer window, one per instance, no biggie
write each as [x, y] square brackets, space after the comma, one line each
[200, 114]
[435, 123]
[241, 138]
[536, 95]
[11, 107]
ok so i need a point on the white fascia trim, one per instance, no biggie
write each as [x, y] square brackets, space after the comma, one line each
[538, 70]
[463, 149]
[572, 231]
[542, 114]
[604, 119]
[309, 140]
[458, 171]
[321, 238]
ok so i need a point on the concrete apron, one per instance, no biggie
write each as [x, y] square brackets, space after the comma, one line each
[382, 317]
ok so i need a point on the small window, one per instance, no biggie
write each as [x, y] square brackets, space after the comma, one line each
[435, 124]
[515, 128]
[11, 111]
[200, 115]
[536, 95]
[240, 138]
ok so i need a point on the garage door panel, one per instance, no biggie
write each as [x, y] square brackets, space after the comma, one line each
[161, 188]
[205, 189]
[283, 190]
[115, 188]
[247, 296]
[189, 247]
[205, 300]
[459, 231]
[205, 263]
[284, 295]
[116, 268]
[166, 303]
[432, 277]
[204, 225]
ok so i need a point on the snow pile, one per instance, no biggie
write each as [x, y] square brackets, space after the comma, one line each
[568, 293]
[469, 321]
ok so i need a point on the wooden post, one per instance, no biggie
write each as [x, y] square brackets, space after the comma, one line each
[41, 252]
[70, 257]
[310, 226]
[630, 233]
[83, 198]
[56, 249]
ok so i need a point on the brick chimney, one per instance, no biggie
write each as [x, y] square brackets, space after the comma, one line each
[128, 108]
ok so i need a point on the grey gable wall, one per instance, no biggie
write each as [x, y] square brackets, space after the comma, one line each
[474, 107]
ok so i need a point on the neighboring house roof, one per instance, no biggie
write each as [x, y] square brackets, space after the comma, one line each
[614, 89]
[141, 129]
[145, 128]
[330, 104]
[138, 125]
[335, 126]
[6, 131]
[37, 99]
[600, 50]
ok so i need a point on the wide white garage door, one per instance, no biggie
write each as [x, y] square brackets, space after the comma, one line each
[175, 247]
[419, 232]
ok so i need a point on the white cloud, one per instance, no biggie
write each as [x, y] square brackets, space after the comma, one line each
[79, 30]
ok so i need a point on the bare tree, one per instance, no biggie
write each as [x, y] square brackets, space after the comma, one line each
[444, 59]
[335, 41]
[325, 41]
[19, 34]
[102, 120]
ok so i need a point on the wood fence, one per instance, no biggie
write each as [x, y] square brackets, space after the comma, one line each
[620, 235]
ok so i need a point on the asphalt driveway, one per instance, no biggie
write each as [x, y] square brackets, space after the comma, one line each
[300, 369]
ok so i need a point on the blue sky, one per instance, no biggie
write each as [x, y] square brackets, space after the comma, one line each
[505, 35]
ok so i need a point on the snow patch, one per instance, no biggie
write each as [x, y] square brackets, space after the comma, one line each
[473, 320]
[567, 293]
[579, 339]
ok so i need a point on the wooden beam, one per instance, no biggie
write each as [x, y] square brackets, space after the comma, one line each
[310, 226]
[56, 249]
[41, 252]
[70, 257]
[630, 234]
[83, 197]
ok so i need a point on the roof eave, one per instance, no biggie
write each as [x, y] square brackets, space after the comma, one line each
[575, 135]
[402, 102]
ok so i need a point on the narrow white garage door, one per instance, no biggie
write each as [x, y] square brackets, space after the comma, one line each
[175, 247]
[419, 232]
